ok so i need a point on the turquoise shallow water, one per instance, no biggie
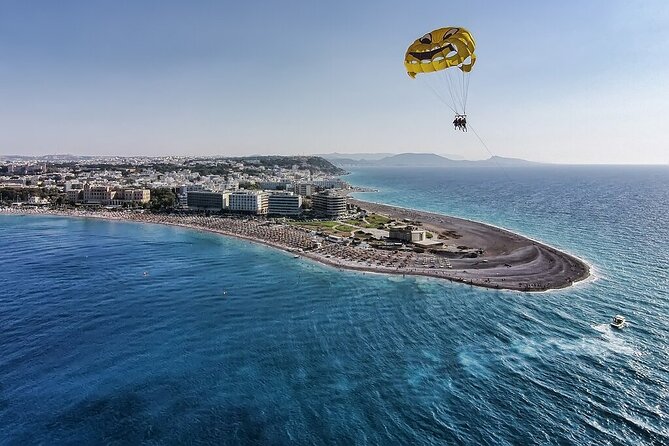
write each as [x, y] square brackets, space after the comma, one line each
[226, 342]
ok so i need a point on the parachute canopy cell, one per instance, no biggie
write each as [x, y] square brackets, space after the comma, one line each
[439, 50]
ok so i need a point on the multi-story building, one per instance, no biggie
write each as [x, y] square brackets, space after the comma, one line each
[207, 201]
[285, 203]
[186, 188]
[106, 195]
[131, 196]
[74, 195]
[330, 183]
[98, 194]
[275, 185]
[252, 202]
[73, 185]
[305, 189]
[329, 204]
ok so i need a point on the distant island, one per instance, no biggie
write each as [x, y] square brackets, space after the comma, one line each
[419, 160]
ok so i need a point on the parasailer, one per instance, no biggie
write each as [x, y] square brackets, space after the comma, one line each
[441, 55]
[460, 122]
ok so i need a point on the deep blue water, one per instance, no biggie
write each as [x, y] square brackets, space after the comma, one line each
[226, 342]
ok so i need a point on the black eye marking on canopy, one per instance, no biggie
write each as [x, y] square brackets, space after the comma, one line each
[450, 33]
[426, 39]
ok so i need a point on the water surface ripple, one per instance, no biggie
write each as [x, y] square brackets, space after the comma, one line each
[226, 342]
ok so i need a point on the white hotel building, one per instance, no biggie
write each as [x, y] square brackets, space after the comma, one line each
[248, 201]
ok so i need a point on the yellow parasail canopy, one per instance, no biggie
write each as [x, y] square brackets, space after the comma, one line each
[441, 49]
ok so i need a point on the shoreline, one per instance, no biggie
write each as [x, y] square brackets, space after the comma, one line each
[509, 261]
[477, 232]
[376, 203]
[591, 268]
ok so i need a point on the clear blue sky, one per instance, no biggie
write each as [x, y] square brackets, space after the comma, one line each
[567, 81]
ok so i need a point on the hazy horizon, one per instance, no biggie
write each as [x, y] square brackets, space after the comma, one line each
[561, 83]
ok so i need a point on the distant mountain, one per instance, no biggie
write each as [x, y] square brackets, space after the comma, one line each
[416, 160]
[373, 156]
[354, 156]
[348, 162]
[427, 160]
[502, 161]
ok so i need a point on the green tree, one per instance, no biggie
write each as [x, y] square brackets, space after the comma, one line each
[162, 199]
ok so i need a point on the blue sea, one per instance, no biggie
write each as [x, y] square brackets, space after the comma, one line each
[227, 342]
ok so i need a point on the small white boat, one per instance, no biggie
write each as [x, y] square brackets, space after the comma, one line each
[618, 322]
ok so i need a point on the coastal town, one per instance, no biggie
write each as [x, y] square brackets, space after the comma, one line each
[200, 184]
[296, 204]
[303, 189]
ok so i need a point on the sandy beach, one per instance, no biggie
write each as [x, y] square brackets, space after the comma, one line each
[506, 260]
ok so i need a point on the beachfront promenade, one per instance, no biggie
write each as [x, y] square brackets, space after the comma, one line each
[509, 261]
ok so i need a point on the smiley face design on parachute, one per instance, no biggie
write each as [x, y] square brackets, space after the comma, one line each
[440, 49]
[430, 46]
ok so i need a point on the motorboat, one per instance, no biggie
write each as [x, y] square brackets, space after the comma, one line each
[618, 322]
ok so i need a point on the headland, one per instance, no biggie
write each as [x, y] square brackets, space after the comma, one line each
[457, 249]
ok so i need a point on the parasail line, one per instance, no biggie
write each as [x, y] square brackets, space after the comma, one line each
[492, 156]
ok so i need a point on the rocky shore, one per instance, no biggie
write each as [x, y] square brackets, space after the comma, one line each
[506, 260]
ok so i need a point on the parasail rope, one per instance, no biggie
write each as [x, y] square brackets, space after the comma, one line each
[491, 154]
[465, 89]
[453, 81]
[439, 96]
[480, 139]
[453, 92]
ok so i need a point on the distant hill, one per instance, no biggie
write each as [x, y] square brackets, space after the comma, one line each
[314, 163]
[350, 157]
[427, 160]
[502, 161]
[416, 160]
[353, 156]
